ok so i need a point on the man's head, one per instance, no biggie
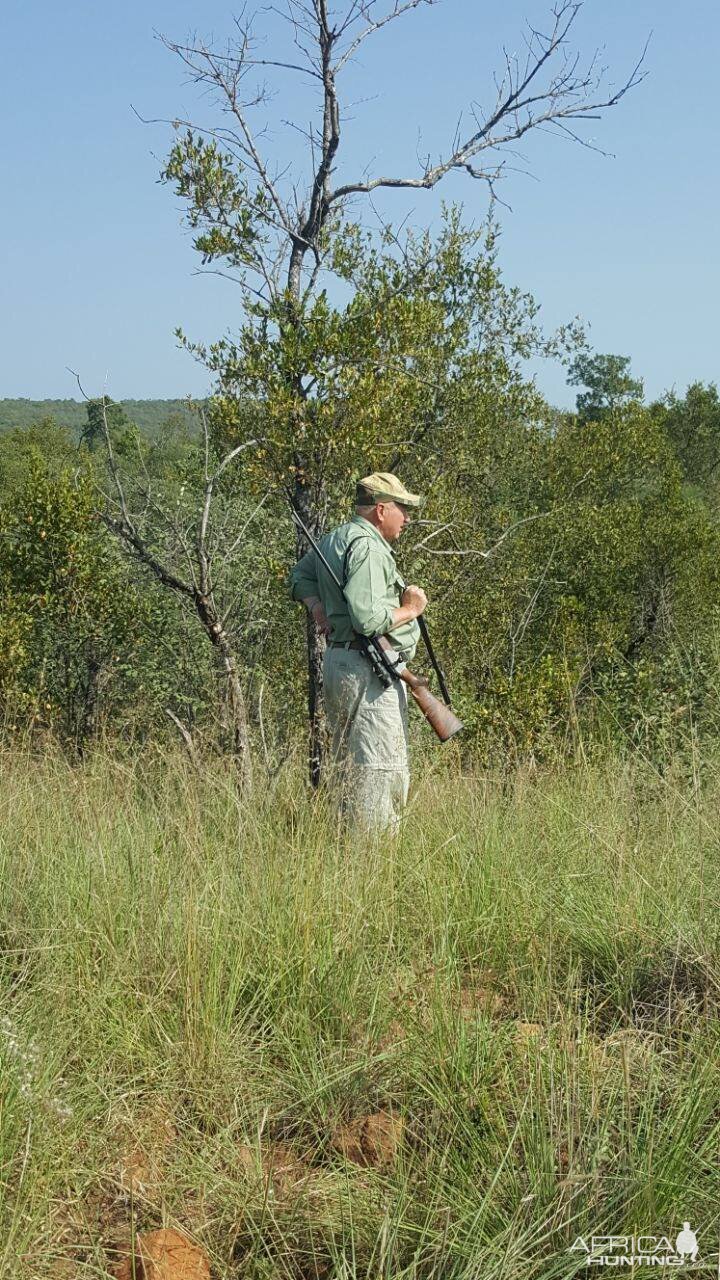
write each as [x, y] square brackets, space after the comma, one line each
[385, 502]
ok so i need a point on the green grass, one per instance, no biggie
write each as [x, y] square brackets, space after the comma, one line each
[198, 990]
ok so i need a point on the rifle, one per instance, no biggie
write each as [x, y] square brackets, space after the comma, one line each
[433, 660]
[377, 650]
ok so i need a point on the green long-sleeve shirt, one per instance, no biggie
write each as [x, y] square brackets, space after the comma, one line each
[365, 564]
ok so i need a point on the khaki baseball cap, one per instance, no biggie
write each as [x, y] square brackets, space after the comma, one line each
[386, 487]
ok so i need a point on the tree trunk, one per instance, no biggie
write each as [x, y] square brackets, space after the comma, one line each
[86, 727]
[311, 511]
[234, 698]
[237, 711]
[311, 514]
[316, 701]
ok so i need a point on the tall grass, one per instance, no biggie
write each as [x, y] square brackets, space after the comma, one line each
[199, 993]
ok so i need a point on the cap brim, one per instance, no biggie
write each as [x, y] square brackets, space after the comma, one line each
[404, 499]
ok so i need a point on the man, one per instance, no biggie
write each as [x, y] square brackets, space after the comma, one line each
[367, 720]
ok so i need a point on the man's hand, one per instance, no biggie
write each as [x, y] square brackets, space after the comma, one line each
[414, 598]
[412, 604]
[319, 617]
[313, 604]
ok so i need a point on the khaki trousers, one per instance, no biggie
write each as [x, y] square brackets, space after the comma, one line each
[369, 728]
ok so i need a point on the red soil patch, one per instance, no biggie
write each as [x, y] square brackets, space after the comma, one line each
[370, 1140]
[275, 1163]
[144, 1152]
[481, 999]
[164, 1255]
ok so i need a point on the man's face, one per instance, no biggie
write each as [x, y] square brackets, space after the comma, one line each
[392, 518]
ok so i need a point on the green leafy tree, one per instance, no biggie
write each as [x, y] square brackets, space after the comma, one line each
[608, 568]
[67, 602]
[104, 412]
[692, 425]
[608, 382]
[337, 388]
[43, 440]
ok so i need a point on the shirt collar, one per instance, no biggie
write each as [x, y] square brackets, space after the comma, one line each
[365, 524]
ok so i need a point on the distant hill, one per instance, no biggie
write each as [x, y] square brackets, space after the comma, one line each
[148, 414]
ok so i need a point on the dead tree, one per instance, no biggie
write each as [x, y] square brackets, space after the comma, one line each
[545, 88]
[197, 586]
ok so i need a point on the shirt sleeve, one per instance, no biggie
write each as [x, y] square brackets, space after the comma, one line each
[366, 591]
[303, 578]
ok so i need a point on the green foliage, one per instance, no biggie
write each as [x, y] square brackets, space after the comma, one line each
[87, 645]
[573, 573]
[608, 381]
[226, 209]
[43, 439]
[76, 607]
[573, 554]
[330, 392]
[692, 425]
[105, 416]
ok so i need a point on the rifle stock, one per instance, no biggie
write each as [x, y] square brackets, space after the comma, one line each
[438, 715]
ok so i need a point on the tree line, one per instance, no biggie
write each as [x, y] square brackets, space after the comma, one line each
[572, 560]
[149, 416]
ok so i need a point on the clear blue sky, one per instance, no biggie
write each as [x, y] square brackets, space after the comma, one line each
[98, 269]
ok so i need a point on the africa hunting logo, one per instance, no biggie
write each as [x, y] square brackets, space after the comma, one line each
[639, 1251]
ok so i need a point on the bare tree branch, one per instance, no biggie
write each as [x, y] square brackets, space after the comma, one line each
[209, 69]
[567, 96]
[364, 10]
[473, 551]
[545, 90]
[184, 734]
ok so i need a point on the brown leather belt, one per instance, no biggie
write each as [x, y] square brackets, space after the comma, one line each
[346, 644]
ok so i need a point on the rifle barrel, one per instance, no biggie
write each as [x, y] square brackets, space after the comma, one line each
[434, 662]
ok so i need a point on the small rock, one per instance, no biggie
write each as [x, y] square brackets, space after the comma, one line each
[164, 1255]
